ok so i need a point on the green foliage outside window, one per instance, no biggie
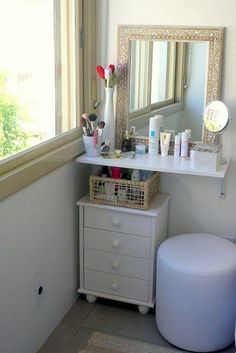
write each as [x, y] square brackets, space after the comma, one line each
[12, 138]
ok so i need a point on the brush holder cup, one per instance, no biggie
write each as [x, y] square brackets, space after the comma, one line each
[92, 145]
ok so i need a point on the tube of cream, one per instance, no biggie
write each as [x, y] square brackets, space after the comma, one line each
[165, 142]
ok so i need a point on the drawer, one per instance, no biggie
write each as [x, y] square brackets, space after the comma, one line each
[124, 244]
[116, 264]
[116, 285]
[121, 222]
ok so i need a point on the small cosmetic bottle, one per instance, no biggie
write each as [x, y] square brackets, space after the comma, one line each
[126, 143]
[104, 172]
[116, 172]
[135, 175]
[188, 132]
[177, 146]
[140, 148]
[132, 131]
[184, 145]
[135, 192]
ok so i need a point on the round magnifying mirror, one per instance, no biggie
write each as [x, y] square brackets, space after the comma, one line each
[216, 116]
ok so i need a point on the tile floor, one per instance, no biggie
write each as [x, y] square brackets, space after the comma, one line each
[74, 331]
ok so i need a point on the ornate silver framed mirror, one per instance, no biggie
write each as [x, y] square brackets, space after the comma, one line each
[159, 62]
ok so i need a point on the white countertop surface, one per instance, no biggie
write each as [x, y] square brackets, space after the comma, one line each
[168, 164]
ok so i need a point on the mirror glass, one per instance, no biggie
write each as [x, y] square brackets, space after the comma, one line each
[163, 73]
[170, 71]
[151, 73]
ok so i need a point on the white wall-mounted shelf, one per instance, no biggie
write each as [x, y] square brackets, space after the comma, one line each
[168, 164]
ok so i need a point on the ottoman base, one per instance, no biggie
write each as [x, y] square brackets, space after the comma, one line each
[196, 309]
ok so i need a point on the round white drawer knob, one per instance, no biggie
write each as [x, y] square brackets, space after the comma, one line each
[115, 244]
[116, 222]
[115, 265]
[114, 286]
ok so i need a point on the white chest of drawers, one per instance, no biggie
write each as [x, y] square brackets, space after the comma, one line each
[118, 250]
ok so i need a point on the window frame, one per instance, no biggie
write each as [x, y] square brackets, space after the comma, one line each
[23, 168]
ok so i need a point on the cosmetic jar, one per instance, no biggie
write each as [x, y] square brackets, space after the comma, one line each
[140, 149]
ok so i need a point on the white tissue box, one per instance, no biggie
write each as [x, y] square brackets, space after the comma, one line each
[206, 156]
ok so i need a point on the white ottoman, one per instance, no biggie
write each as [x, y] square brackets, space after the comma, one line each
[196, 292]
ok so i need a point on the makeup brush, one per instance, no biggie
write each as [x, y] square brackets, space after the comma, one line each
[83, 125]
[101, 125]
[92, 118]
[85, 117]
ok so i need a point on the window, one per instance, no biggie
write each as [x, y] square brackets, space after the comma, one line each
[163, 72]
[37, 72]
[156, 75]
[47, 75]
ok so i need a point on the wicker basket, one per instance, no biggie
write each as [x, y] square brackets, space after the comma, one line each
[125, 193]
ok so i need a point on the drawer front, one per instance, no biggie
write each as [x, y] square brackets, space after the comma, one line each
[117, 221]
[116, 285]
[124, 244]
[116, 264]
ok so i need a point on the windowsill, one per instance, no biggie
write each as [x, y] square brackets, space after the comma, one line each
[143, 119]
[52, 157]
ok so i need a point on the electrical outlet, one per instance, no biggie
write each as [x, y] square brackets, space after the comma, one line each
[39, 291]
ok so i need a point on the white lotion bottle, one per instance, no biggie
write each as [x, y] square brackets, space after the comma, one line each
[188, 132]
[154, 131]
[184, 145]
[135, 175]
[177, 146]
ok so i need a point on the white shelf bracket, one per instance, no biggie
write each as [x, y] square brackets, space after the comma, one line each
[222, 188]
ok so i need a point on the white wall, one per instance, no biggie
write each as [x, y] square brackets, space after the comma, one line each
[195, 204]
[39, 238]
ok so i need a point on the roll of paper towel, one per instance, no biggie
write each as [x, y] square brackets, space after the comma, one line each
[154, 132]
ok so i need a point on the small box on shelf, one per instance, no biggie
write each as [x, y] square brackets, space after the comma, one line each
[206, 156]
